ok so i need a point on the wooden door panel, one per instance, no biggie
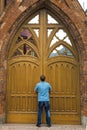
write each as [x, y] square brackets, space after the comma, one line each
[22, 118]
[21, 98]
[63, 77]
[65, 119]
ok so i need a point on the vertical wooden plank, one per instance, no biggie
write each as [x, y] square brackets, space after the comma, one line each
[56, 86]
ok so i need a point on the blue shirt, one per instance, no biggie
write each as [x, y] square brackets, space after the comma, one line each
[43, 89]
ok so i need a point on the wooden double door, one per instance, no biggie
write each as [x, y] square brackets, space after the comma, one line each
[34, 52]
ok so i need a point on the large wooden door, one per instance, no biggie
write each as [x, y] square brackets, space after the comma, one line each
[43, 46]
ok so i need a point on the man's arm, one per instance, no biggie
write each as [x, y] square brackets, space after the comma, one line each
[50, 88]
[36, 89]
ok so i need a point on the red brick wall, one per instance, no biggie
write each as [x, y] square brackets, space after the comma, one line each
[71, 15]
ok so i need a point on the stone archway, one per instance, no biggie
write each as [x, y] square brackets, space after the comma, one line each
[57, 11]
[39, 41]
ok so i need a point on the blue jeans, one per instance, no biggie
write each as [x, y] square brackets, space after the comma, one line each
[46, 105]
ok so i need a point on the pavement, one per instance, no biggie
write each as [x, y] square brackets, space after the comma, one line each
[43, 127]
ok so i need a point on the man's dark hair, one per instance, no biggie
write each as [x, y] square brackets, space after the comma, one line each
[42, 78]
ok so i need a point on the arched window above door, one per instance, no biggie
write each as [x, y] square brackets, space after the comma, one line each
[43, 30]
[34, 20]
[61, 50]
[51, 20]
[60, 35]
[25, 44]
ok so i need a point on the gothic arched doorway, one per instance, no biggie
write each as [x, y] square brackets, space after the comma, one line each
[43, 46]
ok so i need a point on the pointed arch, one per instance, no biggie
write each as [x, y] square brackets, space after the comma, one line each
[66, 21]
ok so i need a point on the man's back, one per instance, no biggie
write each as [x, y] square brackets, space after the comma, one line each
[43, 88]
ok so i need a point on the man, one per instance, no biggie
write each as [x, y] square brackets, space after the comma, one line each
[43, 88]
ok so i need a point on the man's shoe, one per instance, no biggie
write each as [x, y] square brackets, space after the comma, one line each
[37, 125]
[49, 125]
